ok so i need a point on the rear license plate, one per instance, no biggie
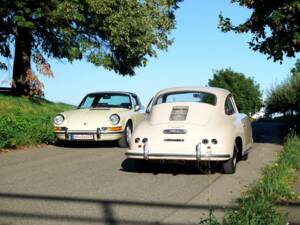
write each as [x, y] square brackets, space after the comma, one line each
[82, 137]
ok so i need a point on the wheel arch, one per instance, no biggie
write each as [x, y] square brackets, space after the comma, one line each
[129, 121]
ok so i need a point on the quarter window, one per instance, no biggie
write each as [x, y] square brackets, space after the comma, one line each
[229, 109]
[135, 101]
[149, 106]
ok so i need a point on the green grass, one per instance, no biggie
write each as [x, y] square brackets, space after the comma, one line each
[25, 121]
[257, 206]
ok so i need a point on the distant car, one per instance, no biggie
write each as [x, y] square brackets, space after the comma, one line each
[260, 114]
[197, 124]
[102, 116]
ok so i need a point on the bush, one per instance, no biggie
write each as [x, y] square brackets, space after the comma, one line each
[285, 97]
[24, 122]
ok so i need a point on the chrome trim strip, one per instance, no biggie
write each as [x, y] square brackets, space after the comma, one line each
[175, 131]
[175, 140]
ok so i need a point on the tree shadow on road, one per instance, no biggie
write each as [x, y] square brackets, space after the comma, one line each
[107, 207]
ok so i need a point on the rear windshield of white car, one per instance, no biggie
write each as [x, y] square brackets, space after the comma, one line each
[106, 100]
[187, 96]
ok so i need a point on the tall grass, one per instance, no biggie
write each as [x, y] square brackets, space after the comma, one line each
[257, 206]
[25, 121]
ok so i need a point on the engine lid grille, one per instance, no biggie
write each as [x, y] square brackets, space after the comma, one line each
[179, 113]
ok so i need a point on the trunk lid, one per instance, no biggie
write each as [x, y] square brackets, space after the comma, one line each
[182, 113]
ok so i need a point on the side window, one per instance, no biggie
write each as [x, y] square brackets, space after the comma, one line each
[88, 102]
[135, 101]
[229, 109]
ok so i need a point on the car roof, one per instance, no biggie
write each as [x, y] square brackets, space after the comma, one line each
[219, 92]
[112, 92]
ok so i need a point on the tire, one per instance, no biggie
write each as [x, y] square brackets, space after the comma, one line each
[124, 141]
[244, 157]
[229, 167]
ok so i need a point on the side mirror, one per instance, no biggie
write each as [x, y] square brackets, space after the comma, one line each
[138, 108]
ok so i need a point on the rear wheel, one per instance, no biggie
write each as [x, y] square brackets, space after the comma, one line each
[245, 157]
[229, 166]
[124, 141]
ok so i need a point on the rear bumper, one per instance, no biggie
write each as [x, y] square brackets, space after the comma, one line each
[176, 156]
[95, 135]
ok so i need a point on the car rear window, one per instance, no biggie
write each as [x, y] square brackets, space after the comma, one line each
[187, 96]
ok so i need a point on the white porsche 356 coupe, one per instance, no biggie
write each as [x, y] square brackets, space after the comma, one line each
[102, 116]
[198, 124]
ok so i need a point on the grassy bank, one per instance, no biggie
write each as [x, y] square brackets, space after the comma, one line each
[257, 206]
[27, 122]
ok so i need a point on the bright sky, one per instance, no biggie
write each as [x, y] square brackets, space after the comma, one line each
[199, 48]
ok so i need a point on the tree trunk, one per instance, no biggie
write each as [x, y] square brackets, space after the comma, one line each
[22, 64]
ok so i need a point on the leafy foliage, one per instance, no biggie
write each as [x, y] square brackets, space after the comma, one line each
[118, 35]
[245, 90]
[24, 122]
[111, 33]
[275, 26]
[285, 96]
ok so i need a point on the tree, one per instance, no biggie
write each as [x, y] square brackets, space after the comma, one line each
[117, 34]
[281, 99]
[275, 26]
[285, 97]
[245, 90]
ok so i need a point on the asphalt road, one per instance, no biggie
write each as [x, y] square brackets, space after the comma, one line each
[97, 185]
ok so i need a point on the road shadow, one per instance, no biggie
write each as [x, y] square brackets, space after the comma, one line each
[106, 209]
[156, 167]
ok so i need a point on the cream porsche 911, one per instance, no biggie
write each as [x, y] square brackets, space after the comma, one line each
[200, 124]
[101, 116]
